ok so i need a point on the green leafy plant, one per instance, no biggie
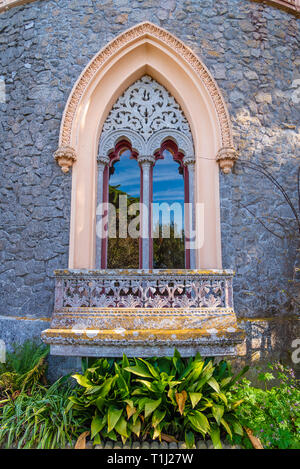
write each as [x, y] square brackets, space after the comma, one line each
[25, 367]
[273, 413]
[38, 419]
[166, 397]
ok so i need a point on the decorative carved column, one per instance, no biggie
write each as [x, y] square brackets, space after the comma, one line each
[102, 196]
[146, 163]
[189, 162]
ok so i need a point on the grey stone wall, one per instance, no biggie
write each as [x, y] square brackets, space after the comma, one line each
[251, 49]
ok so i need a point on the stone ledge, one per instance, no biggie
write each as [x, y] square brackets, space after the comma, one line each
[153, 445]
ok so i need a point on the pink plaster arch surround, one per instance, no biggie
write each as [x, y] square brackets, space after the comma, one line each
[144, 49]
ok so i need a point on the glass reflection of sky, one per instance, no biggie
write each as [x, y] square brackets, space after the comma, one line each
[168, 186]
[127, 175]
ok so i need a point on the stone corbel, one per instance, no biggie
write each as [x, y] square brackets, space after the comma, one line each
[65, 157]
[226, 158]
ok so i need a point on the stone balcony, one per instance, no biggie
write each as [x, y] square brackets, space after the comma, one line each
[143, 313]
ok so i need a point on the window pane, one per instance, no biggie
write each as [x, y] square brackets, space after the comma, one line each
[168, 214]
[123, 250]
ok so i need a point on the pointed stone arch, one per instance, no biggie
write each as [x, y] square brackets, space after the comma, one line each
[144, 49]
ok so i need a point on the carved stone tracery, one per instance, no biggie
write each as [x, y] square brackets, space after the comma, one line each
[165, 291]
[146, 114]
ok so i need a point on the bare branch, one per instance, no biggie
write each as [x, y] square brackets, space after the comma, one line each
[264, 171]
[260, 221]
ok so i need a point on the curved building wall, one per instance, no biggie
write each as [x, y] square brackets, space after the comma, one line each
[252, 50]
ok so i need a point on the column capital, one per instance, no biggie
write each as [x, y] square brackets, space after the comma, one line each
[189, 162]
[103, 160]
[142, 159]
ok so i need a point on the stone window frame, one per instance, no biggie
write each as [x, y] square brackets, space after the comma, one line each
[146, 120]
[144, 49]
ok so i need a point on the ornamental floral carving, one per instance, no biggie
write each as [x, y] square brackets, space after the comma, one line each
[65, 157]
[156, 290]
[146, 114]
[226, 158]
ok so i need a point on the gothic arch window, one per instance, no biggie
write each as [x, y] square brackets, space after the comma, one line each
[145, 49]
[145, 124]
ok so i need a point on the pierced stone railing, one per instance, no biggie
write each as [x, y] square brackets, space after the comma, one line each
[146, 312]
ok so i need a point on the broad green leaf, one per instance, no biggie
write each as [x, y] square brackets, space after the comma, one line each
[135, 417]
[151, 368]
[213, 384]
[111, 435]
[199, 421]
[139, 370]
[113, 416]
[82, 380]
[189, 439]
[225, 381]
[237, 428]
[100, 403]
[125, 361]
[158, 416]
[102, 390]
[150, 406]
[140, 402]
[208, 368]
[195, 398]
[188, 369]
[195, 374]
[221, 395]
[176, 353]
[97, 424]
[203, 380]
[121, 427]
[171, 395]
[129, 402]
[218, 411]
[157, 432]
[226, 426]
[146, 383]
[215, 437]
[136, 427]
[122, 384]
[97, 439]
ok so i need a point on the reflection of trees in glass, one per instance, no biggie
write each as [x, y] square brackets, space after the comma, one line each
[168, 253]
[168, 188]
[123, 253]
